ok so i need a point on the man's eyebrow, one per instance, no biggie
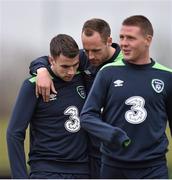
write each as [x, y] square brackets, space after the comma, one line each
[92, 49]
[65, 65]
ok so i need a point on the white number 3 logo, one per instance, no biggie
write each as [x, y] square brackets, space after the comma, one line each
[73, 123]
[137, 114]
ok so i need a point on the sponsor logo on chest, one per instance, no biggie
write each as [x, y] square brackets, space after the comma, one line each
[118, 83]
[53, 97]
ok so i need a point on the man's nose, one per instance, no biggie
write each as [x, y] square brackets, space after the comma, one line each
[71, 71]
[123, 42]
[91, 55]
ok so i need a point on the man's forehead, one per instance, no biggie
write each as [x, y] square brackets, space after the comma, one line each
[69, 62]
[126, 28]
[95, 36]
[92, 43]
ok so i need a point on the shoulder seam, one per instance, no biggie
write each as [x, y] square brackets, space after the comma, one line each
[117, 61]
[32, 79]
[161, 67]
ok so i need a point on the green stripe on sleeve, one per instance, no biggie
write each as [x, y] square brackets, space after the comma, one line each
[78, 72]
[161, 67]
[119, 57]
[117, 61]
[32, 79]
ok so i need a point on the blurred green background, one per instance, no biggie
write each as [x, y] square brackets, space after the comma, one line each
[4, 164]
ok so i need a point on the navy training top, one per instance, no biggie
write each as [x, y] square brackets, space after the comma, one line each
[55, 132]
[137, 99]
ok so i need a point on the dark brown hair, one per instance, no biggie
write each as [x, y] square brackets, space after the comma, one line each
[98, 25]
[63, 44]
[140, 21]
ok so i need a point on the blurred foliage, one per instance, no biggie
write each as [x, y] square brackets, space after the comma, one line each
[4, 163]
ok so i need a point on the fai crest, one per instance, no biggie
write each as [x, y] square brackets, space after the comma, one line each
[158, 85]
[81, 91]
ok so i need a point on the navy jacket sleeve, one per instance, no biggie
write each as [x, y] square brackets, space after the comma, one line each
[91, 119]
[43, 62]
[20, 118]
[38, 63]
[83, 61]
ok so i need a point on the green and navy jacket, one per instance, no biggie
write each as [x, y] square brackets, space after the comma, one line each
[89, 72]
[137, 99]
[57, 141]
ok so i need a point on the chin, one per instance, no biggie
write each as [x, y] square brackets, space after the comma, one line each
[97, 64]
[68, 79]
[127, 59]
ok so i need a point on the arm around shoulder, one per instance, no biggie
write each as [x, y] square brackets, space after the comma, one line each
[38, 63]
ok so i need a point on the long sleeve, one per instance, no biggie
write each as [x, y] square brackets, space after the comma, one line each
[20, 118]
[38, 63]
[91, 116]
[43, 62]
[83, 61]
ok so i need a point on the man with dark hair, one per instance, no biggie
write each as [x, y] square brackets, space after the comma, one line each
[58, 144]
[98, 51]
[135, 94]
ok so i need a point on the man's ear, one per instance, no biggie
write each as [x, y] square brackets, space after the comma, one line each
[51, 60]
[109, 41]
[148, 40]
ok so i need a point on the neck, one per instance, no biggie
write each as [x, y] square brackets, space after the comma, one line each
[140, 61]
[111, 52]
[144, 58]
[53, 70]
